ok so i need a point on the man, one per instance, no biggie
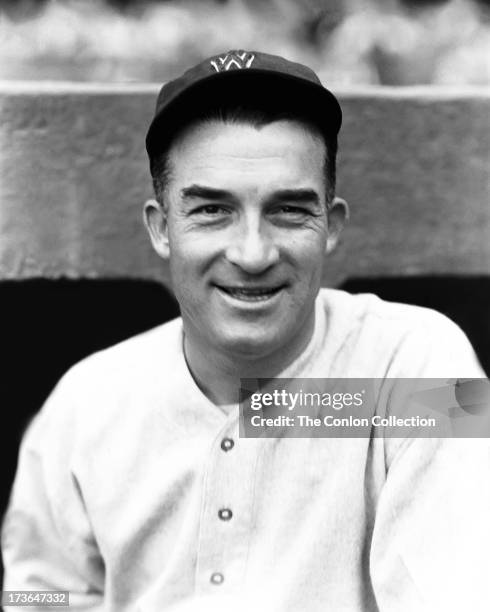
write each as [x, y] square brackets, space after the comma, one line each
[134, 489]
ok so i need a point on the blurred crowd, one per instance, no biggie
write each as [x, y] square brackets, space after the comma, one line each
[349, 42]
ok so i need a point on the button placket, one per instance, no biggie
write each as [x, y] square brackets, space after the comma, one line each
[226, 512]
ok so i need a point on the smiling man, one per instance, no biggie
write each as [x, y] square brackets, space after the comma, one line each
[245, 223]
[135, 490]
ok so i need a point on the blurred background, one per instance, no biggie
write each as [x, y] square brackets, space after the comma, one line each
[392, 42]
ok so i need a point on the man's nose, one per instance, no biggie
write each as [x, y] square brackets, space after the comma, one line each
[252, 248]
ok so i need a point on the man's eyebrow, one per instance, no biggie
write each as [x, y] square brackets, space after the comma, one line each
[295, 196]
[204, 193]
[292, 196]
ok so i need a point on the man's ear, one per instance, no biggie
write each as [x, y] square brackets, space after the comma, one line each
[155, 220]
[338, 215]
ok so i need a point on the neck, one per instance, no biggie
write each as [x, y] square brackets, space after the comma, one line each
[217, 372]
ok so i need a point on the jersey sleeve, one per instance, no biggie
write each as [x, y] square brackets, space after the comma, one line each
[431, 539]
[47, 540]
[430, 547]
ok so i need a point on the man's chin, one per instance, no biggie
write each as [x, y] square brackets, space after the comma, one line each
[250, 346]
[258, 342]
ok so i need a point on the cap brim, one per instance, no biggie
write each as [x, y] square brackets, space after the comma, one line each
[264, 89]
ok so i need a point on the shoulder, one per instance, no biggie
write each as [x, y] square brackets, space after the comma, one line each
[103, 384]
[369, 311]
[135, 355]
[369, 308]
[410, 340]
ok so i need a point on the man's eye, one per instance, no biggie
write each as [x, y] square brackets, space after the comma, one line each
[294, 210]
[210, 209]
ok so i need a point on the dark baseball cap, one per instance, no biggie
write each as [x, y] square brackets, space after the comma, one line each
[269, 80]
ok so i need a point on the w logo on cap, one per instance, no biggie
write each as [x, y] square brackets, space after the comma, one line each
[233, 60]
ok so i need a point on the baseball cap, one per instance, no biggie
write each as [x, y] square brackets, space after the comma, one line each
[236, 75]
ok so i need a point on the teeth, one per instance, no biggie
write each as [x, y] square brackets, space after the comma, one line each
[250, 294]
[252, 291]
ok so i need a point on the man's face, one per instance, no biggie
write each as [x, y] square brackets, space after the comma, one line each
[246, 226]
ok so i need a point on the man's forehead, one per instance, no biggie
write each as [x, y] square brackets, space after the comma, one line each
[246, 163]
[224, 142]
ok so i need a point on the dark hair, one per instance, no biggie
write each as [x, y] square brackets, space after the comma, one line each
[255, 115]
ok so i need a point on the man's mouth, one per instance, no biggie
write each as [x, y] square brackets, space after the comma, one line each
[251, 294]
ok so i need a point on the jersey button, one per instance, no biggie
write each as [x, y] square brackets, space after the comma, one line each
[217, 578]
[225, 514]
[227, 444]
